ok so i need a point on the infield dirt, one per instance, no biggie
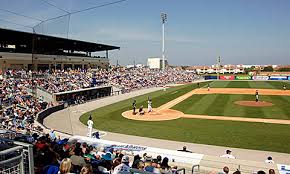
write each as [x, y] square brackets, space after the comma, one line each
[164, 112]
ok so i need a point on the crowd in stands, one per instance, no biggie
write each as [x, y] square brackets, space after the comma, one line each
[126, 79]
[18, 108]
[53, 155]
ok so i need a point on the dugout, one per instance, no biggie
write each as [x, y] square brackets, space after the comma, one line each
[82, 95]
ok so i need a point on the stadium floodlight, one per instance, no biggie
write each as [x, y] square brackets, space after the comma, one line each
[163, 20]
[218, 66]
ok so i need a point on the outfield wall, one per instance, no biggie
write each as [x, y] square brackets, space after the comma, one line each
[246, 77]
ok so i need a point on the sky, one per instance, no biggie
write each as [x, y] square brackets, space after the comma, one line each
[197, 31]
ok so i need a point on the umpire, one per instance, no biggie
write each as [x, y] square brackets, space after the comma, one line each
[134, 107]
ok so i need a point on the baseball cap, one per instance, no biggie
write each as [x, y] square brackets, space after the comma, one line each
[228, 151]
[125, 159]
[148, 158]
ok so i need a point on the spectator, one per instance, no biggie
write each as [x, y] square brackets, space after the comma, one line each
[271, 171]
[226, 170]
[77, 160]
[228, 155]
[116, 162]
[136, 161]
[87, 169]
[164, 167]
[261, 172]
[65, 166]
[141, 165]
[123, 167]
[237, 172]
[148, 163]
[159, 159]
[105, 164]
[52, 135]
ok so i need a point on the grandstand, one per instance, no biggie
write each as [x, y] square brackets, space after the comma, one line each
[65, 110]
[52, 52]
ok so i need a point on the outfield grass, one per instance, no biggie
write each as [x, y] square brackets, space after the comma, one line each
[223, 105]
[260, 136]
[250, 84]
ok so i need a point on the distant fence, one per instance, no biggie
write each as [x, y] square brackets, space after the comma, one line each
[43, 114]
[245, 77]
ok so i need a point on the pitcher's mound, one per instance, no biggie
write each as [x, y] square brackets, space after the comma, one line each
[254, 103]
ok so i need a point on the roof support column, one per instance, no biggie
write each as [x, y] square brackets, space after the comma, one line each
[107, 54]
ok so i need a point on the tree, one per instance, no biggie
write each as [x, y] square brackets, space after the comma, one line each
[247, 70]
[268, 69]
[284, 69]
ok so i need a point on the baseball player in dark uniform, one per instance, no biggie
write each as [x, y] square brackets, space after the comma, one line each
[284, 87]
[134, 107]
[257, 95]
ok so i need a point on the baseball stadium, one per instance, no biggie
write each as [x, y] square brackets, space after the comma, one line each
[66, 107]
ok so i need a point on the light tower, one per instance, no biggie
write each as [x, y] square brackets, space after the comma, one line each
[163, 20]
[218, 66]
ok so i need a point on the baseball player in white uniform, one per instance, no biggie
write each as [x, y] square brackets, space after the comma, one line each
[90, 124]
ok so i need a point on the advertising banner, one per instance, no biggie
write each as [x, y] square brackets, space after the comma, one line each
[210, 77]
[227, 77]
[278, 77]
[243, 78]
[288, 77]
[283, 169]
[260, 77]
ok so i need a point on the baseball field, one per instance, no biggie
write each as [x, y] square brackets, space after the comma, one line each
[226, 115]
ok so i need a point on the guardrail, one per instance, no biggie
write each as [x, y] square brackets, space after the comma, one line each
[195, 169]
[14, 163]
[132, 171]
[28, 161]
[217, 164]
[180, 171]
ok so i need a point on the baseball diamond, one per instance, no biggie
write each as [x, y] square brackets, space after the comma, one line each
[194, 115]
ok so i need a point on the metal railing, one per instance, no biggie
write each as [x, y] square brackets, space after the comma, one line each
[12, 160]
[180, 171]
[28, 161]
[208, 165]
[195, 169]
[132, 171]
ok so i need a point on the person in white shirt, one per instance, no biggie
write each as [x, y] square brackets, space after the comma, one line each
[90, 124]
[269, 160]
[123, 167]
[228, 155]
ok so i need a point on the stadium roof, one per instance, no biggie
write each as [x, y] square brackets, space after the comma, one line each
[49, 43]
